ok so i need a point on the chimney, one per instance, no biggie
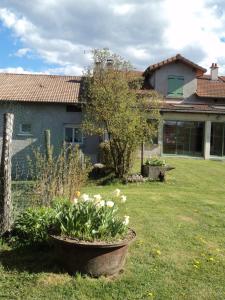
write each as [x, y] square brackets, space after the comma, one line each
[97, 65]
[214, 72]
[109, 63]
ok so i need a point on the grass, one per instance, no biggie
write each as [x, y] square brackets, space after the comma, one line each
[179, 252]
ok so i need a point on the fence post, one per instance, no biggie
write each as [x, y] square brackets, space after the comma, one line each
[6, 207]
[48, 148]
[142, 156]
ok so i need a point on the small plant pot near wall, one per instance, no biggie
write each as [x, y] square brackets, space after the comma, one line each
[92, 258]
[155, 172]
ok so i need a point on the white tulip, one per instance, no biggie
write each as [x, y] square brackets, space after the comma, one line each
[109, 203]
[123, 198]
[85, 197]
[97, 197]
[75, 200]
[100, 203]
[126, 220]
[117, 192]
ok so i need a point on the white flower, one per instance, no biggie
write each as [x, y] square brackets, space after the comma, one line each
[75, 200]
[109, 203]
[116, 192]
[100, 203]
[94, 231]
[85, 197]
[123, 198]
[97, 197]
[126, 220]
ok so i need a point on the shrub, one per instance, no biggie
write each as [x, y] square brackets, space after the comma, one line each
[136, 83]
[91, 218]
[84, 218]
[32, 226]
[105, 154]
[62, 175]
[155, 161]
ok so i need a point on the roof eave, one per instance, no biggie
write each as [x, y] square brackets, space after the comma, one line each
[192, 111]
[173, 59]
[210, 97]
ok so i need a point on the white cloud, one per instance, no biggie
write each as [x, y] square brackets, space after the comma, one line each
[19, 70]
[22, 52]
[67, 70]
[63, 32]
[194, 24]
[138, 53]
[123, 9]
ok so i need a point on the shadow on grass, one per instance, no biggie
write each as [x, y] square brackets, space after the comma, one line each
[108, 179]
[30, 259]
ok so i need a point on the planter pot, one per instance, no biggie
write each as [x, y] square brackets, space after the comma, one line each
[155, 172]
[92, 258]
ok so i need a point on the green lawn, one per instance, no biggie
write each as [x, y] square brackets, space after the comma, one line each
[179, 252]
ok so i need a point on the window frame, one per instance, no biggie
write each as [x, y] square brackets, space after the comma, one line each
[73, 127]
[22, 132]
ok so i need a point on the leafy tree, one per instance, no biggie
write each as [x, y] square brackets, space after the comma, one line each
[116, 109]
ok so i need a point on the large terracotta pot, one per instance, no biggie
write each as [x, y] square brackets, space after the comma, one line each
[94, 259]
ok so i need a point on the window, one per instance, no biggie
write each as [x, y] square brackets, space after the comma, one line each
[183, 138]
[175, 86]
[25, 129]
[217, 143]
[73, 108]
[73, 134]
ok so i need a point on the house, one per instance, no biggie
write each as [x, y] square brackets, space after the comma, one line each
[41, 102]
[193, 110]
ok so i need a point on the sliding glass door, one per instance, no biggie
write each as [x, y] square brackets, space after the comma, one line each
[183, 138]
[217, 143]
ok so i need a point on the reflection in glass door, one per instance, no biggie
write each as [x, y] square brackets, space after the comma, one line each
[217, 139]
[183, 138]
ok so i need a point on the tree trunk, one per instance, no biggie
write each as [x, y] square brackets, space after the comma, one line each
[6, 208]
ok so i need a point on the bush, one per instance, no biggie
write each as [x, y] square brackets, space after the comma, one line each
[136, 83]
[105, 154]
[32, 226]
[85, 218]
[59, 176]
[155, 161]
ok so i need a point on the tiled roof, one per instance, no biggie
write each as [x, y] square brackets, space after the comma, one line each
[134, 74]
[39, 88]
[211, 88]
[177, 57]
[193, 108]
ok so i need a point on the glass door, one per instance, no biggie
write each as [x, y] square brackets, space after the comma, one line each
[183, 138]
[217, 139]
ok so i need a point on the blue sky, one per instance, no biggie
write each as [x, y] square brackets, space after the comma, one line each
[56, 36]
[9, 57]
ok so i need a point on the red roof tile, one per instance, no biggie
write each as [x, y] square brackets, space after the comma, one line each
[177, 57]
[39, 88]
[208, 88]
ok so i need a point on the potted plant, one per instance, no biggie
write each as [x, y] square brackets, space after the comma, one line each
[155, 168]
[90, 237]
